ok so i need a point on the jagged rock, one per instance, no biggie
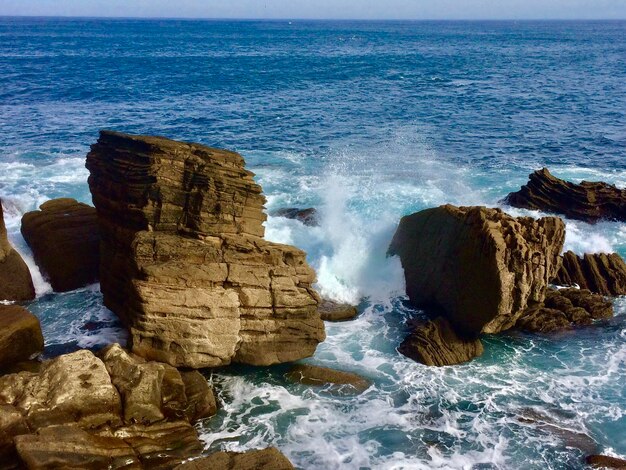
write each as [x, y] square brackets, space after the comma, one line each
[201, 401]
[435, 343]
[265, 459]
[65, 241]
[340, 382]
[601, 273]
[334, 311]
[478, 267]
[20, 335]
[184, 264]
[589, 202]
[564, 308]
[605, 461]
[307, 216]
[12, 424]
[15, 281]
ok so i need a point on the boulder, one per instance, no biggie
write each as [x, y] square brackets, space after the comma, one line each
[435, 343]
[563, 309]
[589, 202]
[605, 461]
[479, 268]
[334, 311]
[184, 262]
[20, 335]
[601, 273]
[65, 241]
[265, 459]
[16, 284]
[307, 216]
[339, 381]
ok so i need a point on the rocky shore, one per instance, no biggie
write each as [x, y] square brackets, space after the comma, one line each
[176, 240]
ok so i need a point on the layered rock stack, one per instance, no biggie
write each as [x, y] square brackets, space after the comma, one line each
[601, 273]
[15, 280]
[587, 201]
[183, 259]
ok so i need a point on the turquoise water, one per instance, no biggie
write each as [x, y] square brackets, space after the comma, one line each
[367, 121]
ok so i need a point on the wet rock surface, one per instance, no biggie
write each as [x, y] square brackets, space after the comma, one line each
[265, 459]
[600, 273]
[20, 335]
[184, 262]
[307, 216]
[605, 461]
[16, 283]
[65, 241]
[340, 382]
[477, 267]
[435, 343]
[335, 311]
[587, 201]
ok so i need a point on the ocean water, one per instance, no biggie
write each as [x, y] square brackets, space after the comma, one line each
[367, 121]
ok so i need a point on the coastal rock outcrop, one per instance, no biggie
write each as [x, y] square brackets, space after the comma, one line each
[20, 335]
[605, 461]
[587, 201]
[335, 311]
[308, 216]
[564, 308]
[264, 459]
[16, 284]
[80, 411]
[601, 273]
[340, 382]
[479, 268]
[435, 343]
[65, 240]
[183, 259]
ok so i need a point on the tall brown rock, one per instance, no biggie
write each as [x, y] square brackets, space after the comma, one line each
[601, 273]
[15, 280]
[183, 259]
[478, 267]
[587, 201]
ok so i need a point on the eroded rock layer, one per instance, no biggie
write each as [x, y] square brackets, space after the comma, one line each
[586, 201]
[15, 280]
[601, 273]
[184, 262]
[477, 267]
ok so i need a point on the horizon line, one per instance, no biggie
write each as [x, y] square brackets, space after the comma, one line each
[191, 18]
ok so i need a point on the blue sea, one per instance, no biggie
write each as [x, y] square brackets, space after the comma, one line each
[367, 121]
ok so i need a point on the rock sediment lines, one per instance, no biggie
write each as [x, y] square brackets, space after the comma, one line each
[184, 263]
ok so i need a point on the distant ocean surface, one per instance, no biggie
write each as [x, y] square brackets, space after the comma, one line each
[367, 121]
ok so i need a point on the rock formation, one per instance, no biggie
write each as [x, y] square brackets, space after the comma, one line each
[334, 311]
[265, 459]
[564, 308]
[435, 343]
[479, 268]
[80, 411]
[307, 216]
[184, 263]
[340, 382]
[65, 241]
[605, 461]
[15, 281]
[589, 202]
[20, 335]
[601, 273]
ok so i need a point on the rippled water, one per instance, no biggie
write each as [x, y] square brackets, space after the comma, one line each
[367, 121]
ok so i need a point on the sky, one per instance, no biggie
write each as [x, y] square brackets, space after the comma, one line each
[323, 9]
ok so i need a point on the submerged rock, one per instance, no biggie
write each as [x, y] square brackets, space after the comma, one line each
[65, 240]
[601, 273]
[265, 459]
[340, 381]
[307, 216]
[20, 335]
[334, 311]
[589, 202]
[184, 262]
[16, 284]
[564, 308]
[435, 343]
[605, 461]
[479, 268]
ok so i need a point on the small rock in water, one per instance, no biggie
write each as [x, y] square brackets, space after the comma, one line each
[336, 312]
[20, 335]
[307, 216]
[435, 343]
[589, 202]
[341, 382]
[605, 461]
[265, 459]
